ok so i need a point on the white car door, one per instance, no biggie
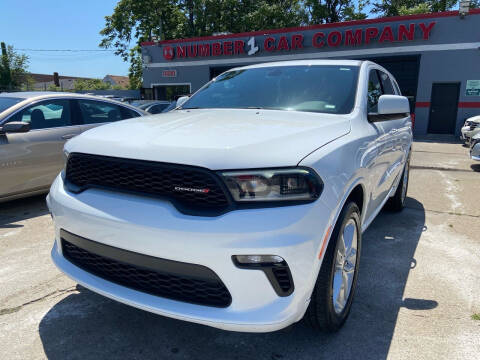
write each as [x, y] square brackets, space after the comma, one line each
[382, 179]
[399, 131]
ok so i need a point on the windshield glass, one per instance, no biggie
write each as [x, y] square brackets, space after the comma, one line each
[6, 102]
[313, 88]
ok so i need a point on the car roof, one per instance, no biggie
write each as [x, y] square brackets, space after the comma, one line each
[43, 94]
[302, 63]
[30, 96]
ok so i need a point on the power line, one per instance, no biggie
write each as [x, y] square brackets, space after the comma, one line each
[67, 50]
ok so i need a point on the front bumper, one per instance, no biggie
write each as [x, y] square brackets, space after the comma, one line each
[154, 227]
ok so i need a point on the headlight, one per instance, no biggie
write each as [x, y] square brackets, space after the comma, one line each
[273, 185]
[65, 156]
[65, 159]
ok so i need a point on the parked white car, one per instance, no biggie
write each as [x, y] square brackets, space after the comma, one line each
[475, 147]
[243, 209]
[470, 129]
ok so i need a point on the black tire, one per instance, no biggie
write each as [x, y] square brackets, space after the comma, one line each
[321, 313]
[397, 202]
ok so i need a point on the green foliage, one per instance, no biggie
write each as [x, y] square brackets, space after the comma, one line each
[28, 83]
[90, 84]
[418, 9]
[147, 20]
[52, 87]
[13, 68]
[330, 11]
[407, 7]
[135, 72]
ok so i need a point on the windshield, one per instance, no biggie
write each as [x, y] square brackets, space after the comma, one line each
[6, 102]
[313, 88]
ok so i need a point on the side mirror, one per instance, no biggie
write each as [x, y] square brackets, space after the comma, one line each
[390, 107]
[181, 100]
[15, 127]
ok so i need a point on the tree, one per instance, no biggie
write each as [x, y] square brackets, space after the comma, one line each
[13, 68]
[52, 87]
[135, 72]
[330, 11]
[418, 9]
[28, 83]
[408, 7]
[135, 21]
[90, 84]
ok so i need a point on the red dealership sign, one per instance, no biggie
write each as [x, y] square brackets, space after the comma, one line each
[296, 41]
[169, 73]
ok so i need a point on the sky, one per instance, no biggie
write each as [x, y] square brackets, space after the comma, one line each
[60, 24]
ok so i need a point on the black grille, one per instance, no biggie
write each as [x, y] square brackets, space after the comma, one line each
[193, 283]
[283, 277]
[190, 189]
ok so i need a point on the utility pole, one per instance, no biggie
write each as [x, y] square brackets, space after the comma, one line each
[5, 75]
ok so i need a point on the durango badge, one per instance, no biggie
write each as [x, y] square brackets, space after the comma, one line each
[187, 189]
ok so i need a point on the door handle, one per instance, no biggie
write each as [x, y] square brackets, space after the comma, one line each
[68, 136]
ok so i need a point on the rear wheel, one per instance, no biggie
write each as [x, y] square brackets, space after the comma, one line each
[397, 201]
[335, 287]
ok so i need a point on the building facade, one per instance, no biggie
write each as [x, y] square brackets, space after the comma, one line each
[434, 57]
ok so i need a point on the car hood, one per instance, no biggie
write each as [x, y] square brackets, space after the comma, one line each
[216, 138]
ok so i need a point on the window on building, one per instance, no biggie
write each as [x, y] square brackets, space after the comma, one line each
[171, 92]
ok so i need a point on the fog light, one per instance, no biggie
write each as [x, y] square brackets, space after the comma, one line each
[258, 259]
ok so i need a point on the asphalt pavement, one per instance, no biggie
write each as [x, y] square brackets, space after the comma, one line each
[418, 287]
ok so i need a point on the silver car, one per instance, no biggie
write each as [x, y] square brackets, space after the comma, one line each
[33, 129]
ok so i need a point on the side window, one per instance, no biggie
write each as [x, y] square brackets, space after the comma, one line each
[96, 112]
[46, 114]
[395, 85]
[128, 113]
[386, 84]
[374, 91]
[157, 109]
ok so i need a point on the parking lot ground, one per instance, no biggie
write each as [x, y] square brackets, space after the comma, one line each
[418, 288]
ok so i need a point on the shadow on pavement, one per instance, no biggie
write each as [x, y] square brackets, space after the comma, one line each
[85, 325]
[21, 209]
[438, 138]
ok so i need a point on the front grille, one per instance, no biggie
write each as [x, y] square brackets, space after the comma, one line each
[170, 279]
[189, 188]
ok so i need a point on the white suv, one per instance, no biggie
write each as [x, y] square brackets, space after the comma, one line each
[243, 209]
[470, 129]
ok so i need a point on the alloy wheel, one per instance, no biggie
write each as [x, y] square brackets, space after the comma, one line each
[345, 261]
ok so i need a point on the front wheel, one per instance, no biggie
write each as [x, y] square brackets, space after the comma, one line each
[333, 293]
